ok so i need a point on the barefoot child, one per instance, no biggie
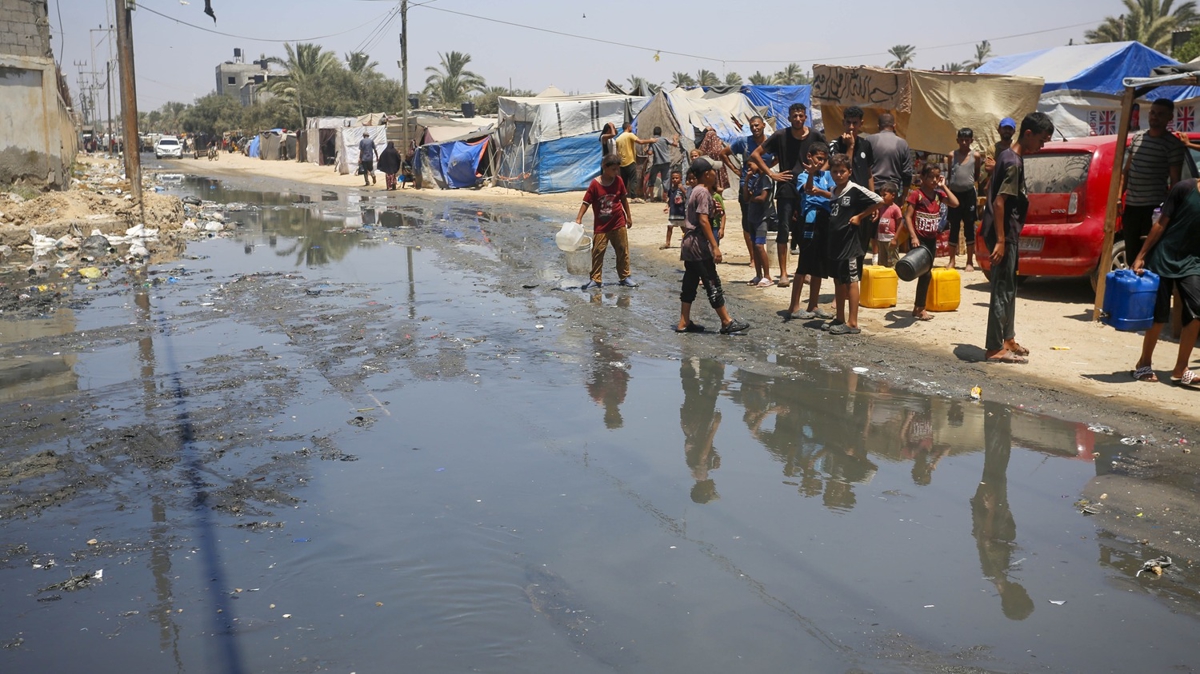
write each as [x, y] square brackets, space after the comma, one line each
[610, 208]
[890, 219]
[852, 205]
[676, 209]
[924, 219]
[757, 200]
[815, 187]
[700, 254]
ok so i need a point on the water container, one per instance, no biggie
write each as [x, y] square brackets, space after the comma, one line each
[569, 237]
[878, 288]
[945, 290]
[579, 261]
[1129, 299]
[916, 262]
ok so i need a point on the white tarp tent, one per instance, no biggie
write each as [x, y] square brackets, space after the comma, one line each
[551, 143]
[347, 145]
[688, 112]
[319, 131]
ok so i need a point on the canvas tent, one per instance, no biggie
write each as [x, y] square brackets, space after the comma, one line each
[456, 163]
[1083, 88]
[777, 99]
[929, 107]
[347, 140]
[688, 112]
[276, 145]
[320, 138]
[551, 143]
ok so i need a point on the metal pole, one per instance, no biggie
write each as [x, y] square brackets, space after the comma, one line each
[1114, 196]
[129, 113]
[108, 83]
[404, 75]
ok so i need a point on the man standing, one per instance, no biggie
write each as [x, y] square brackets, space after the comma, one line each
[742, 148]
[862, 165]
[893, 158]
[627, 144]
[660, 161]
[1007, 204]
[1172, 251]
[790, 147]
[366, 158]
[1154, 164]
[1007, 129]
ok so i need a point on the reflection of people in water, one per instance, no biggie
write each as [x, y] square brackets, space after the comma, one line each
[699, 419]
[917, 435]
[609, 381]
[994, 528]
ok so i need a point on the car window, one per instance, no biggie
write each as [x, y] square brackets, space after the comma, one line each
[168, 141]
[1189, 166]
[1056, 173]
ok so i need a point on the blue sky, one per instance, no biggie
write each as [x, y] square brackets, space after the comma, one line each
[177, 62]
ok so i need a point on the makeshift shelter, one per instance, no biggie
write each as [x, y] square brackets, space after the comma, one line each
[347, 145]
[929, 107]
[319, 138]
[688, 112]
[776, 99]
[551, 143]
[456, 163]
[1083, 84]
[276, 145]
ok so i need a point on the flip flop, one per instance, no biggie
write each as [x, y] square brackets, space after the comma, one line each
[1007, 357]
[1018, 349]
[784, 284]
[1144, 373]
[1188, 380]
[691, 327]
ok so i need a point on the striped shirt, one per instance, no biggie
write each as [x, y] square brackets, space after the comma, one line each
[1150, 162]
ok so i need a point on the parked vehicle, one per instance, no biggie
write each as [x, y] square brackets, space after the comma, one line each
[168, 146]
[1068, 185]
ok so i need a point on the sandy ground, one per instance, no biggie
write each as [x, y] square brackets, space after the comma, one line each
[1068, 350]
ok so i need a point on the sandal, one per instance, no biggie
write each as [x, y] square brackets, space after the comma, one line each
[1007, 356]
[1188, 380]
[783, 283]
[1018, 349]
[1144, 373]
[691, 327]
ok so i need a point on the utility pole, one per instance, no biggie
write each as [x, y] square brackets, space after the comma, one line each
[129, 113]
[108, 83]
[404, 73]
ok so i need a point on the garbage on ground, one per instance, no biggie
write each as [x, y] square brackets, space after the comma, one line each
[91, 272]
[1086, 507]
[75, 582]
[1058, 602]
[1060, 348]
[976, 393]
[1155, 566]
[1100, 428]
[860, 370]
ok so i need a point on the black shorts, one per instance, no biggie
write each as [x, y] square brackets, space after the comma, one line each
[1189, 293]
[845, 272]
[367, 165]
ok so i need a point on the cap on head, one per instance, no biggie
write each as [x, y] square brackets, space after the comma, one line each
[1009, 122]
[700, 166]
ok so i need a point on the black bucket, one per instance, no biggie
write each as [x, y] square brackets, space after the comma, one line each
[915, 263]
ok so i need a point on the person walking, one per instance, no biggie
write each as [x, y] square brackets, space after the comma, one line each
[1003, 219]
[660, 162]
[366, 158]
[1172, 250]
[389, 163]
[1154, 164]
[627, 144]
[701, 254]
[609, 200]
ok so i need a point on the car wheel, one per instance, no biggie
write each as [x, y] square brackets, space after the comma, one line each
[1118, 262]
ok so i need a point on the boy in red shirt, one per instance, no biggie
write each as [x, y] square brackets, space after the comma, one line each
[924, 220]
[890, 221]
[610, 207]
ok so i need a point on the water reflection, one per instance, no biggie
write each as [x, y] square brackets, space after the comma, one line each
[34, 376]
[608, 381]
[993, 525]
[699, 419]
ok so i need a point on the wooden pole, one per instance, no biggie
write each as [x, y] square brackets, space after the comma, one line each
[404, 76]
[129, 113]
[1114, 198]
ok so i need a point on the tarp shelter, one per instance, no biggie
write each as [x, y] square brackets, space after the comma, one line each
[252, 148]
[347, 145]
[277, 145]
[456, 163]
[776, 99]
[1083, 84]
[551, 143]
[688, 112]
[929, 106]
[320, 138]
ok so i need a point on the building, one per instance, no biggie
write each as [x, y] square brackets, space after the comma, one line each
[38, 139]
[244, 81]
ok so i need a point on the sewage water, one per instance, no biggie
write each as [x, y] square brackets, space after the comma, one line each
[327, 445]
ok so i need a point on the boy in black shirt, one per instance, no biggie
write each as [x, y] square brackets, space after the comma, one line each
[851, 207]
[862, 161]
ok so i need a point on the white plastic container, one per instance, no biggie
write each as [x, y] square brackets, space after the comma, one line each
[569, 237]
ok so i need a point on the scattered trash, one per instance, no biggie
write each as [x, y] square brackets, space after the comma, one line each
[1060, 348]
[1058, 602]
[1086, 507]
[1140, 440]
[976, 393]
[1154, 566]
[1100, 428]
[860, 370]
[91, 272]
[93, 542]
[75, 582]
[287, 615]
[929, 606]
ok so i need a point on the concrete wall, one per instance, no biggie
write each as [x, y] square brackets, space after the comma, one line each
[38, 139]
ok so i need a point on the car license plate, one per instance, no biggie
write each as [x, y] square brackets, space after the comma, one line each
[1031, 244]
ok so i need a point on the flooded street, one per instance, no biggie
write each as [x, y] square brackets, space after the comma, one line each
[376, 433]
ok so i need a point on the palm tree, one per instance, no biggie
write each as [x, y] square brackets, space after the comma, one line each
[360, 64]
[954, 67]
[638, 85]
[902, 55]
[791, 74]
[759, 78]
[451, 83]
[733, 79]
[1150, 22]
[707, 78]
[305, 64]
[983, 52]
[682, 80]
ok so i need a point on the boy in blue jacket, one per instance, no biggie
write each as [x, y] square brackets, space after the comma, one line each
[815, 186]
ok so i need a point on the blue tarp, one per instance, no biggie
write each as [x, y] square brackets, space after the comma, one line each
[778, 99]
[455, 163]
[1095, 68]
[252, 148]
[560, 165]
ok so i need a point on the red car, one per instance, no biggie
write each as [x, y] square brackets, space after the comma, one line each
[1068, 183]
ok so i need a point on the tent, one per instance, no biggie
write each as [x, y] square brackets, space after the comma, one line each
[276, 145]
[777, 100]
[551, 143]
[929, 107]
[320, 138]
[455, 163]
[252, 147]
[1083, 88]
[688, 112]
[347, 144]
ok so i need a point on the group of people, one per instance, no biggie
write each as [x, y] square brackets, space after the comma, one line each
[831, 202]
[389, 162]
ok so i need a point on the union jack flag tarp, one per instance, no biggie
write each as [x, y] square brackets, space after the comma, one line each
[1185, 118]
[1103, 122]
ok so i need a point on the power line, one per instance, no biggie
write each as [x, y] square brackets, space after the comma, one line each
[261, 39]
[727, 61]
